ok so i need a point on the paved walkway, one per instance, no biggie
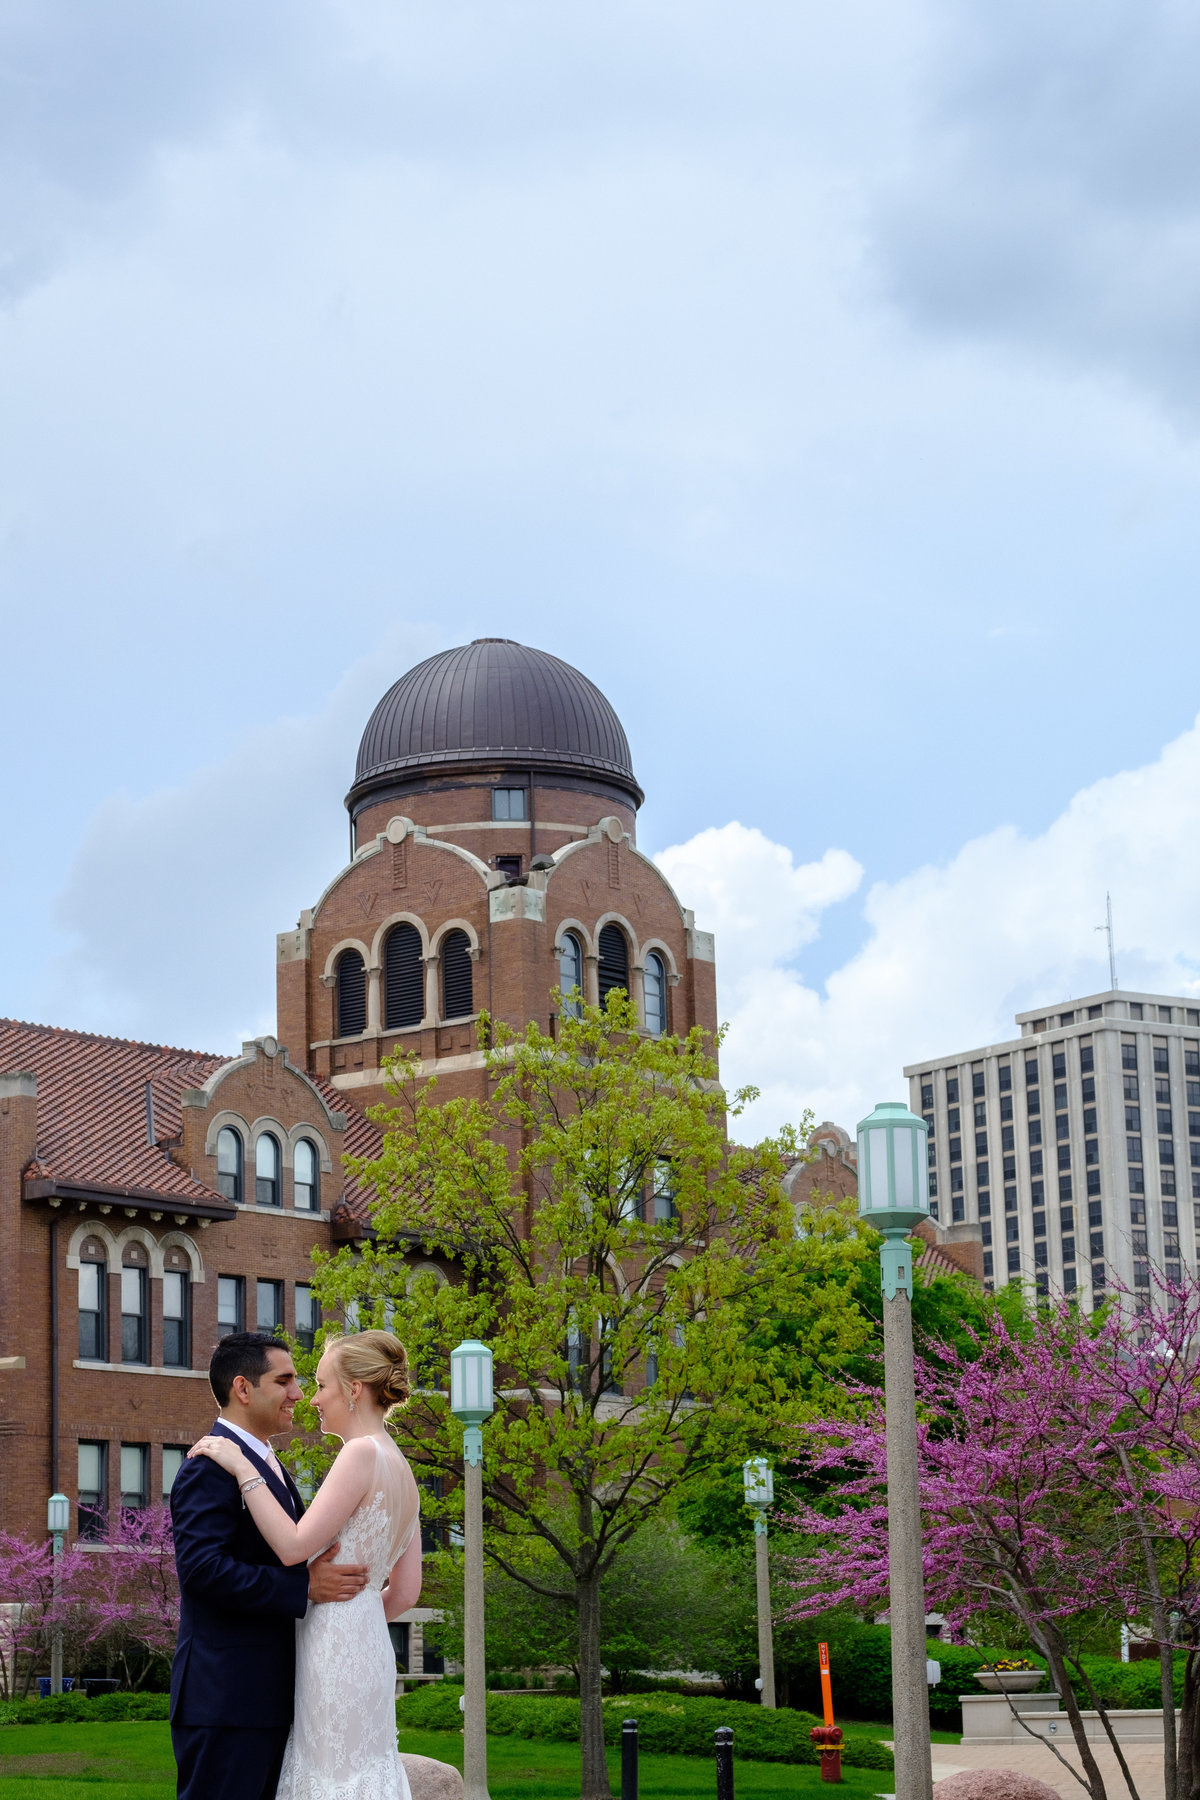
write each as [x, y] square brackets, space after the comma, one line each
[1145, 1765]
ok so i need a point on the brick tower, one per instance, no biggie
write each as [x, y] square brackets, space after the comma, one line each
[494, 863]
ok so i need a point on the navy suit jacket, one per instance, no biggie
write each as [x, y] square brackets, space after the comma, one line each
[235, 1663]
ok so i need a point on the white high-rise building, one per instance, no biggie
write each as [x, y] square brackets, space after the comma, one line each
[1074, 1148]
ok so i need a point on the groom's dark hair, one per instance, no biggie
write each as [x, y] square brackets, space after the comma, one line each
[241, 1353]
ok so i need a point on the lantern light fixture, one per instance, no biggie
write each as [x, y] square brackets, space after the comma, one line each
[759, 1481]
[471, 1398]
[893, 1186]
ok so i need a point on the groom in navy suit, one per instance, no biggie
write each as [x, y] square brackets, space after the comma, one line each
[234, 1674]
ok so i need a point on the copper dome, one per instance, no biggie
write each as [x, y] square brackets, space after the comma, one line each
[492, 701]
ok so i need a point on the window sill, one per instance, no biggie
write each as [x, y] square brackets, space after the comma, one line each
[107, 1368]
[279, 1212]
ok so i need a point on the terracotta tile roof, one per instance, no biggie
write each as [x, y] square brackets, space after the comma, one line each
[963, 1256]
[363, 1138]
[92, 1106]
[934, 1259]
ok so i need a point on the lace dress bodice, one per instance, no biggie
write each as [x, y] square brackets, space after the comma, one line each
[377, 1532]
[343, 1741]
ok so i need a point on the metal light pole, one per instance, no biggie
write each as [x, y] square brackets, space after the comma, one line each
[471, 1401]
[893, 1195]
[759, 1484]
[58, 1522]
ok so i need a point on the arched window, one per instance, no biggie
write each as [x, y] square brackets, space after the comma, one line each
[135, 1305]
[614, 961]
[266, 1171]
[403, 978]
[306, 1179]
[655, 982]
[229, 1164]
[570, 973]
[93, 1302]
[457, 991]
[351, 994]
[177, 1314]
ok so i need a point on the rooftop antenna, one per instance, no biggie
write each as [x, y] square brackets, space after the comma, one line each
[1107, 927]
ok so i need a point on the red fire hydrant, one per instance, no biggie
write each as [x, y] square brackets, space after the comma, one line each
[829, 1737]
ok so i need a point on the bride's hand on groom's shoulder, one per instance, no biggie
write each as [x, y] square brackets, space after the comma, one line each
[225, 1452]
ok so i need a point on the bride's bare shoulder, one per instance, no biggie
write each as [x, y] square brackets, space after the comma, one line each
[355, 1453]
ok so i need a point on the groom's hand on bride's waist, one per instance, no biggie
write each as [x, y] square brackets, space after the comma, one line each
[328, 1580]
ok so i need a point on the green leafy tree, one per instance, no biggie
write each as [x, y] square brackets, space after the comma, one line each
[667, 1604]
[618, 1254]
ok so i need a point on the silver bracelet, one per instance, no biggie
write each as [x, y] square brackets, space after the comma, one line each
[248, 1486]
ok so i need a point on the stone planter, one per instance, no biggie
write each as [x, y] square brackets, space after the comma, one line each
[1009, 1681]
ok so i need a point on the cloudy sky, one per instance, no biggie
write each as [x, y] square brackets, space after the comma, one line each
[824, 382]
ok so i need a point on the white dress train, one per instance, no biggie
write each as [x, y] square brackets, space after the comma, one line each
[343, 1740]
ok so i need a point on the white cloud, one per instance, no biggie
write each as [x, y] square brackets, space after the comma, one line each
[1051, 196]
[952, 951]
[174, 899]
[748, 890]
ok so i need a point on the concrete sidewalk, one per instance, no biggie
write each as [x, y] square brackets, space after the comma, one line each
[1031, 1758]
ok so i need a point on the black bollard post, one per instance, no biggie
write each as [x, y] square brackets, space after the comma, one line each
[724, 1762]
[629, 1760]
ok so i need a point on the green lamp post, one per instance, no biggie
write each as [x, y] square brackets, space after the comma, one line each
[893, 1196]
[759, 1488]
[58, 1523]
[471, 1401]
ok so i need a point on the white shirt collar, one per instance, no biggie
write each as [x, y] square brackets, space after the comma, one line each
[252, 1443]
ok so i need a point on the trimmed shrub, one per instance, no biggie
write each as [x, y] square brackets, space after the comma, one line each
[669, 1724]
[77, 1709]
[1131, 1684]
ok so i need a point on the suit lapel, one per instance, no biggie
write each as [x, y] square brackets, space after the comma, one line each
[294, 1491]
[282, 1490]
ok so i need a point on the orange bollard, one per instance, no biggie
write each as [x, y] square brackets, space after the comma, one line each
[826, 1689]
[828, 1736]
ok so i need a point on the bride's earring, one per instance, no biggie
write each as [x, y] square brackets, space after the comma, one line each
[352, 1406]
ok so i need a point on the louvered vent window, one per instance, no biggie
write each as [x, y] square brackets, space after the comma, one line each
[351, 994]
[457, 990]
[614, 961]
[403, 978]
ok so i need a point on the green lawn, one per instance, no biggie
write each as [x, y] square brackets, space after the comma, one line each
[886, 1730]
[134, 1762]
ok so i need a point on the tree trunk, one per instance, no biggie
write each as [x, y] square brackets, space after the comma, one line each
[1166, 1666]
[1052, 1650]
[1187, 1777]
[594, 1778]
[1158, 1616]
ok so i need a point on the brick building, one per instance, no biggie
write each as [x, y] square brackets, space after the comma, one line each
[152, 1199]
[832, 1172]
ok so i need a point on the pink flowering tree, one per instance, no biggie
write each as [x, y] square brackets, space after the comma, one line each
[120, 1597]
[1058, 1485]
[1152, 1479]
[131, 1594]
[31, 1612]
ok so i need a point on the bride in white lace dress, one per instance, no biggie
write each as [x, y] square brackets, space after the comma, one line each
[343, 1740]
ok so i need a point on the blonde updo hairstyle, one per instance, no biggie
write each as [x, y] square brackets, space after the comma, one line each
[378, 1360]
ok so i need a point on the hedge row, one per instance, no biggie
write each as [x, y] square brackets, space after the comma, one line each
[861, 1665]
[77, 1709]
[861, 1668]
[668, 1724]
